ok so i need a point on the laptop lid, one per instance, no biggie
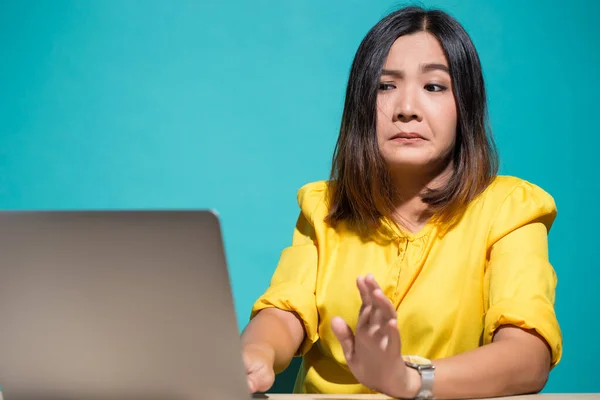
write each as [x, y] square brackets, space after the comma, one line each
[117, 305]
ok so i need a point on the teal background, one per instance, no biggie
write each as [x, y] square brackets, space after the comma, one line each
[235, 105]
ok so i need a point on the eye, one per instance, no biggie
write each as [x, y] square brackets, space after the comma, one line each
[386, 86]
[432, 87]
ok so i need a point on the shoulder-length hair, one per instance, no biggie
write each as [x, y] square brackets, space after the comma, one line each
[360, 190]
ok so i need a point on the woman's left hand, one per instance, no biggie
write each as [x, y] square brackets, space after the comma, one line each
[373, 352]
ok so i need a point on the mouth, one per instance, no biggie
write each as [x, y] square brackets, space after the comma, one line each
[407, 136]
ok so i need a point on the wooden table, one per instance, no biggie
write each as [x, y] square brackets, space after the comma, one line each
[566, 396]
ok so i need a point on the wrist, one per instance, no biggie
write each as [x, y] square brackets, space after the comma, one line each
[413, 383]
[405, 383]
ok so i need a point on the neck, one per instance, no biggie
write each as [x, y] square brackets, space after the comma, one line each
[410, 211]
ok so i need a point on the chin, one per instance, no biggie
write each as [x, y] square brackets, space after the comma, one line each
[408, 162]
[408, 155]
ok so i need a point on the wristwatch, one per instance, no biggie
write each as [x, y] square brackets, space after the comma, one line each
[426, 369]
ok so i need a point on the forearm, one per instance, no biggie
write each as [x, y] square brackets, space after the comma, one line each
[270, 332]
[509, 366]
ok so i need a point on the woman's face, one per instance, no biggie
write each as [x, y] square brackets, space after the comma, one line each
[416, 111]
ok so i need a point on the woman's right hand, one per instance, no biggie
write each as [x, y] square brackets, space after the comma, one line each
[258, 360]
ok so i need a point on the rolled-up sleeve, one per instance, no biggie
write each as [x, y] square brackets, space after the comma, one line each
[520, 281]
[292, 286]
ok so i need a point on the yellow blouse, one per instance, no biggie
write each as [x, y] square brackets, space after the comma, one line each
[452, 287]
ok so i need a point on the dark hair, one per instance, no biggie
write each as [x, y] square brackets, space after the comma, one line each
[360, 190]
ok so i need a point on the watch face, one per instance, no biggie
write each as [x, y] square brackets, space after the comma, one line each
[416, 360]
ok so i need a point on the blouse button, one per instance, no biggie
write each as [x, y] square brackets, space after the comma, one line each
[402, 244]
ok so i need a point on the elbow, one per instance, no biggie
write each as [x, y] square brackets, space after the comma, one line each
[540, 369]
[534, 380]
[524, 383]
[539, 380]
[531, 367]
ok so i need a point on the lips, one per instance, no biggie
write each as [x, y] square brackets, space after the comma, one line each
[407, 135]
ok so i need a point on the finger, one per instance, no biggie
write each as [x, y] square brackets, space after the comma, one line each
[393, 334]
[384, 305]
[386, 337]
[376, 320]
[344, 335]
[371, 283]
[374, 329]
[364, 319]
[377, 326]
[383, 340]
[378, 337]
[371, 286]
[368, 328]
[365, 296]
[380, 312]
[384, 313]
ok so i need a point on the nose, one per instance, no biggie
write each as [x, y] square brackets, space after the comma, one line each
[407, 108]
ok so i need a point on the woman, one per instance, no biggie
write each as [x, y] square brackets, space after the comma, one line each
[415, 271]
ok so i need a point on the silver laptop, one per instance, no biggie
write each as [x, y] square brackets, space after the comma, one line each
[124, 305]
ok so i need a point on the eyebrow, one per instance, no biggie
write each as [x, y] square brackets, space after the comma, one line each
[424, 68]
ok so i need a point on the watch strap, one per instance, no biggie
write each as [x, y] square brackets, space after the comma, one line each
[426, 370]
[427, 373]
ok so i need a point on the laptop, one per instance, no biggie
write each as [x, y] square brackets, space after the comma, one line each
[124, 305]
